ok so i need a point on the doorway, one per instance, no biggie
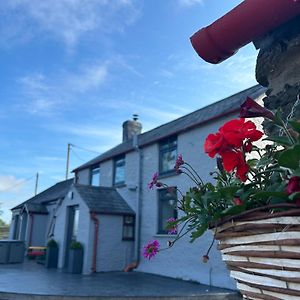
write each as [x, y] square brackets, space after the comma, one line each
[72, 229]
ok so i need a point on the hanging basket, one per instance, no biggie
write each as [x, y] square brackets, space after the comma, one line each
[261, 248]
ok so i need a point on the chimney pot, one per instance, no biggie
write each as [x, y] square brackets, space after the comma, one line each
[131, 128]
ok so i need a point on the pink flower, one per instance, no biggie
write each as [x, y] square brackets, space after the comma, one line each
[172, 228]
[293, 185]
[151, 249]
[179, 162]
[154, 181]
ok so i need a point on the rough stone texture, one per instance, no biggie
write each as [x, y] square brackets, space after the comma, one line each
[131, 128]
[278, 65]
[285, 100]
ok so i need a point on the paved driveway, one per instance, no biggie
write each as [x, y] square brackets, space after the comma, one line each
[31, 281]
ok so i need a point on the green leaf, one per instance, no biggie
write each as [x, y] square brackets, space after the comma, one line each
[290, 158]
[233, 210]
[282, 140]
[199, 232]
[296, 172]
[265, 195]
[229, 191]
[295, 125]
[294, 196]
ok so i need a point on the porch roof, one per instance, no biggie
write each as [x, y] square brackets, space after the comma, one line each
[104, 200]
[57, 191]
[36, 208]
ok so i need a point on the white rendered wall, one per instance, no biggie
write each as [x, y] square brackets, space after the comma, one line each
[84, 230]
[184, 260]
[113, 254]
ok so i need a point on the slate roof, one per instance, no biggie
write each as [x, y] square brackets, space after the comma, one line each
[104, 200]
[199, 117]
[36, 208]
[57, 191]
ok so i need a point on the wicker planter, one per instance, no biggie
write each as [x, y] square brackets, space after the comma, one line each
[262, 251]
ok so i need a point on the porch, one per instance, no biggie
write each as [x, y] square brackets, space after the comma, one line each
[33, 281]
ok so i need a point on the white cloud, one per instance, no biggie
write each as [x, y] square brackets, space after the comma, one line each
[48, 95]
[67, 20]
[189, 3]
[89, 77]
[10, 183]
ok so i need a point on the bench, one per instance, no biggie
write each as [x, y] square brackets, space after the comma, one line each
[36, 251]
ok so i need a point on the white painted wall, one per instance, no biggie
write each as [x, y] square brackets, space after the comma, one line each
[84, 230]
[114, 254]
[39, 230]
[106, 173]
[130, 191]
[184, 260]
[83, 176]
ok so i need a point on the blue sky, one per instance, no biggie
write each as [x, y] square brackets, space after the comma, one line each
[73, 70]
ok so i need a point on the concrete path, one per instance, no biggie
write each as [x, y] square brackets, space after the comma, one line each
[34, 281]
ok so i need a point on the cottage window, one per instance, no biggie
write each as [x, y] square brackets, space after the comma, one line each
[75, 223]
[128, 228]
[95, 176]
[167, 208]
[167, 155]
[119, 170]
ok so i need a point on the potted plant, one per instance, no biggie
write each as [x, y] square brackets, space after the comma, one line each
[75, 262]
[51, 254]
[252, 206]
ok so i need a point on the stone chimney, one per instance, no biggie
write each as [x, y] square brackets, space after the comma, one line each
[277, 68]
[131, 128]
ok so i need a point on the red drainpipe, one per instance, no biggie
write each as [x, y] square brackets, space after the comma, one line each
[243, 24]
[30, 229]
[95, 246]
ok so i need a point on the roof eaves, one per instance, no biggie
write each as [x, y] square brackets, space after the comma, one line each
[154, 140]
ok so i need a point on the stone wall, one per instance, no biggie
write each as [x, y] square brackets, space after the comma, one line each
[278, 69]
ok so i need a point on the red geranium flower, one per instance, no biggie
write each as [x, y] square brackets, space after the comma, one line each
[236, 131]
[234, 160]
[247, 146]
[214, 144]
[238, 201]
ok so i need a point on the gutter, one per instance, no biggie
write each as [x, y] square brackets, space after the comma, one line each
[246, 22]
[137, 254]
[95, 244]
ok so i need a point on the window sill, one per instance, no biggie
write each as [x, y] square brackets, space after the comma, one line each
[167, 174]
[119, 185]
[164, 235]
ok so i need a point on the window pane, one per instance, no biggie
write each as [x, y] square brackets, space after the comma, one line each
[167, 208]
[128, 227]
[128, 220]
[128, 232]
[119, 171]
[168, 154]
[168, 160]
[75, 224]
[95, 176]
